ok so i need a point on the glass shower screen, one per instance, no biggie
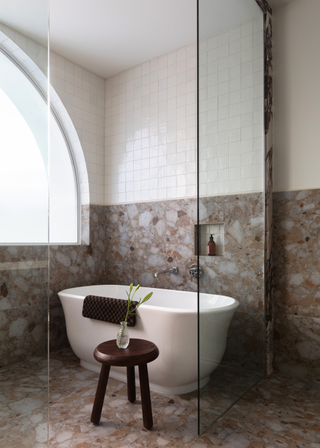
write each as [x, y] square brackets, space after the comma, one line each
[24, 265]
[230, 203]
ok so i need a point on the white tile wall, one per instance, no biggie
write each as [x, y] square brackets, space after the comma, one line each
[82, 93]
[150, 130]
[231, 149]
[138, 129]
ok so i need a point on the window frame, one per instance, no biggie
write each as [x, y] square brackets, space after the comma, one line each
[54, 114]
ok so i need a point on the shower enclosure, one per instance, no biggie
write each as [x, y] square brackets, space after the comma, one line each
[231, 200]
[234, 187]
[24, 227]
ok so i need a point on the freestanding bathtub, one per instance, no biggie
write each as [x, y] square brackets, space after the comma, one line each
[169, 319]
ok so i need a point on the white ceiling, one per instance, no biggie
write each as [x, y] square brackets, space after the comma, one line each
[109, 36]
[29, 17]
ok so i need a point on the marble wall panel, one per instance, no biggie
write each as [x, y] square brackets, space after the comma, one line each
[297, 345]
[76, 265]
[239, 273]
[23, 302]
[148, 237]
[144, 238]
[268, 166]
[296, 247]
[24, 276]
[129, 243]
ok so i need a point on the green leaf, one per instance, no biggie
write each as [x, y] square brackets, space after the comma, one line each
[141, 301]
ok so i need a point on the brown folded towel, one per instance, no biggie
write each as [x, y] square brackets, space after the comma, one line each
[108, 310]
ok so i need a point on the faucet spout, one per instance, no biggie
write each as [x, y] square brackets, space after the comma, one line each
[173, 270]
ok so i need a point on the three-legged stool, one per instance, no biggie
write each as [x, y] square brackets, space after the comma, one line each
[138, 353]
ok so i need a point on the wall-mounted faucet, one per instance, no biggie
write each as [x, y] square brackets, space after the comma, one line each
[195, 270]
[173, 270]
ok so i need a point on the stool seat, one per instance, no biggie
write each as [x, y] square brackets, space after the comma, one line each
[138, 353]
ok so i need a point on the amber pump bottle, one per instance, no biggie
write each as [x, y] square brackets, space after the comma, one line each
[211, 246]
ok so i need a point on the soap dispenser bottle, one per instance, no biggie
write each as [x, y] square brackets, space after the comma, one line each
[211, 246]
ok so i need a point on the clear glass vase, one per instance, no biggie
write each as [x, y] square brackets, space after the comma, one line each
[123, 338]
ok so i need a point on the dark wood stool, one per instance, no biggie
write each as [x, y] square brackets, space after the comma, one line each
[138, 353]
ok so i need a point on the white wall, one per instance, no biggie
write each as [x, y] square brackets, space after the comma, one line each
[82, 93]
[231, 145]
[151, 130]
[151, 121]
[297, 95]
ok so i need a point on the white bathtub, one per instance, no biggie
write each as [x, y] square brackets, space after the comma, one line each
[169, 319]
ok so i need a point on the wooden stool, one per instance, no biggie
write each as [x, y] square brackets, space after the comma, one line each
[138, 353]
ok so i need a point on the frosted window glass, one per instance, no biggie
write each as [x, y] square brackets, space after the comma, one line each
[63, 189]
[24, 191]
[23, 181]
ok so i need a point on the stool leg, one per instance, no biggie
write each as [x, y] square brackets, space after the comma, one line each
[145, 396]
[100, 393]
[131, 384]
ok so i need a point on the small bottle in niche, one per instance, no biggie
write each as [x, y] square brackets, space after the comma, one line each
[211, 248]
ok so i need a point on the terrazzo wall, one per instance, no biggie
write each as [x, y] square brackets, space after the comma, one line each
[129, 243]
[23, 302]
[296, 282]
[76, 265]
[24, 290]
[144, 238]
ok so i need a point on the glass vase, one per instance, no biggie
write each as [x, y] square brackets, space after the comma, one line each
[123, 338]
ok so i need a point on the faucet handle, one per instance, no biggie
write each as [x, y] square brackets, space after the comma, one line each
[195, 270]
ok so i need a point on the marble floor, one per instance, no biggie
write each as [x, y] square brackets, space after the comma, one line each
[276, 412]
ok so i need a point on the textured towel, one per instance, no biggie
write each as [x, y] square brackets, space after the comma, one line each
[109, 310]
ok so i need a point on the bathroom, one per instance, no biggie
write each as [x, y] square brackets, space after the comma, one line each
[168, 228]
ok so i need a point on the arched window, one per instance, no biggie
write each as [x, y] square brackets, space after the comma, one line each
[38, 177]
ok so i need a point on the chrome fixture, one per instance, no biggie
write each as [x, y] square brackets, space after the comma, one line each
[195, 270]
[168, 271]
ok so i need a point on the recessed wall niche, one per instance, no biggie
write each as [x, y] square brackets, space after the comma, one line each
[217, 230]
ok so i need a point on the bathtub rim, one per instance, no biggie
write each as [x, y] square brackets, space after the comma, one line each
[232, 306]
